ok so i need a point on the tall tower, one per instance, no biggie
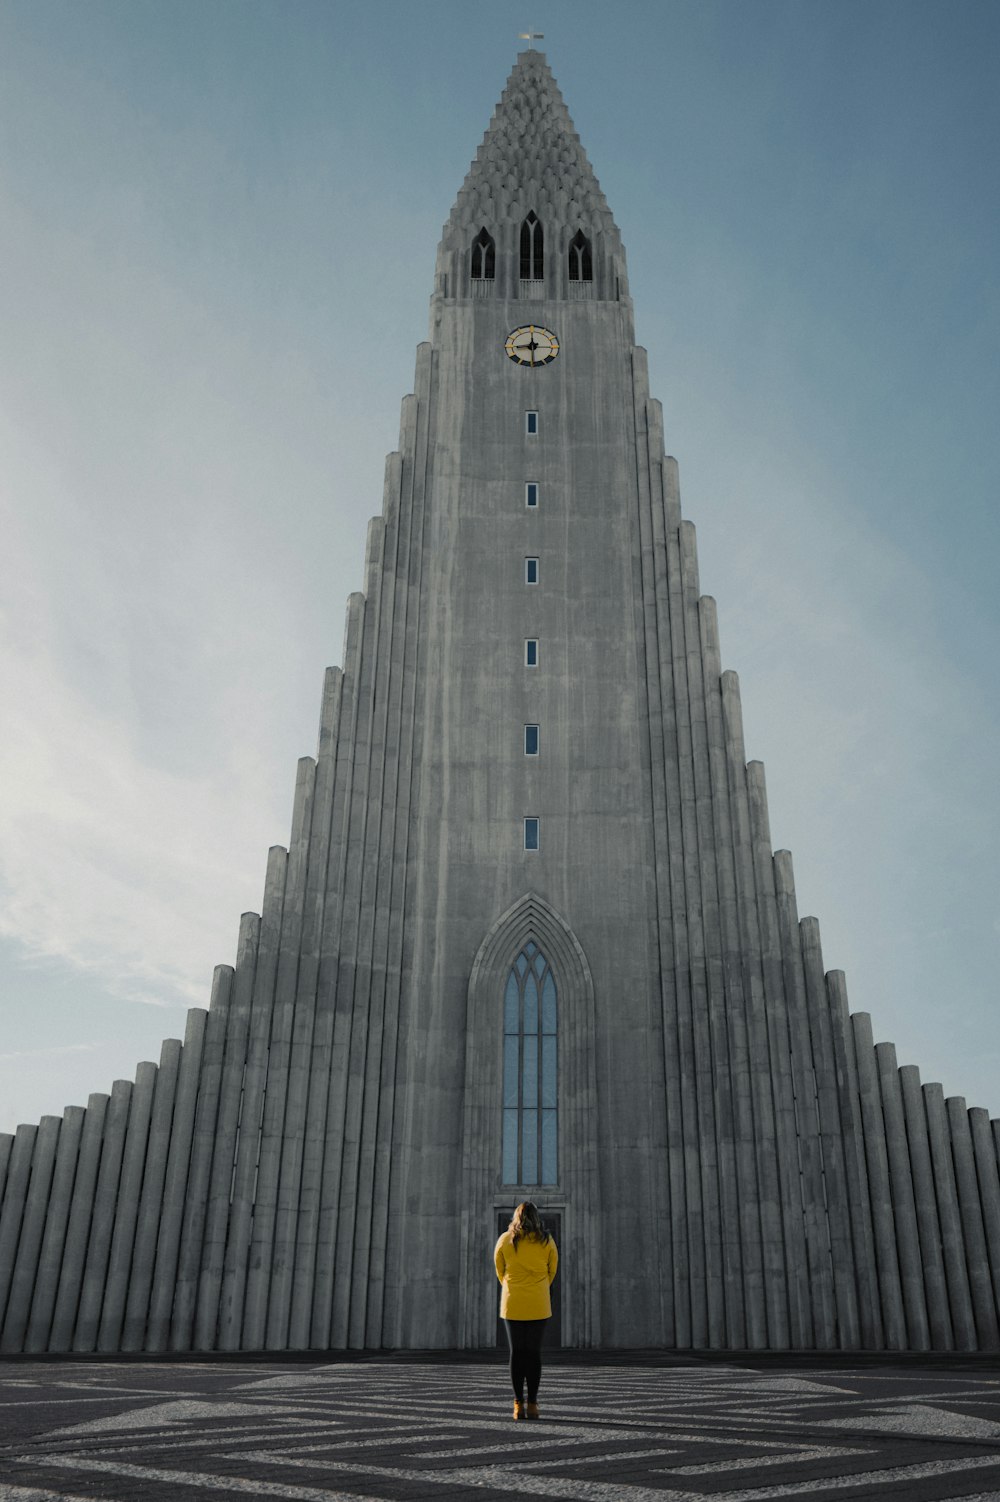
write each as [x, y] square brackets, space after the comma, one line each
[529, 937]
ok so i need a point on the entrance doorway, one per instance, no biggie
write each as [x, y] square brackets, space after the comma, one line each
[552, 1221]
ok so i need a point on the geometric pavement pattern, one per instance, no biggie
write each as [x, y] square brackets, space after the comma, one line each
[376, 1431]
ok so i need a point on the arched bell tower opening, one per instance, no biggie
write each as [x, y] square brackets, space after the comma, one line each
[530, 1117]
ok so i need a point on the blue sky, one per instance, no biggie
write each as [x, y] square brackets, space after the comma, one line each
[218, 225]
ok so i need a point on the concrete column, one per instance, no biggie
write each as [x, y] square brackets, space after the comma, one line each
[331, 993]
[883, 1224]
[127, 1209]
[904, 1208]
[712, 998]
[200, 1163]
[78, 1226]
[376, 895]
[54, 1236]
[168, 1236]
[768, 1194]
[828, 1106]
[925, 1203]
[974, 1236]
[229, 1126]
[869, 1333]
[140, 1280]
[103, 1219]
[12, 1211]
[696, 1169]
[989, 1189]
[391, 1171]
[813, 1191]
[237, 1246]
[6, 1143]
[952, 1241]
[312, 1161]
[398, 743]
[725, 992]
[30, 1241]
[800, 1324]
[279, 1052]
[688, 1297]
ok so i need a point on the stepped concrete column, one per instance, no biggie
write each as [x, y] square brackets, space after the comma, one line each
[30, 1241]
[151, 1200]
[989, 1189]
[78, 1226]
[925, 1203]
[973, 1233]
[168, 1237]
[879, 1190]
[904, 1208]
[56, 1223]
[88, 1314]
[952, 1240]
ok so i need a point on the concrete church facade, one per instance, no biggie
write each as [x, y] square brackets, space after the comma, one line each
[529, 937]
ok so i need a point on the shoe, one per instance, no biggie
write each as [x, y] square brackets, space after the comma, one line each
[518, 1410]
[532, 1412]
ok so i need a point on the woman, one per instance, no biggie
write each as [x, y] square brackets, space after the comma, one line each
[526, 1260]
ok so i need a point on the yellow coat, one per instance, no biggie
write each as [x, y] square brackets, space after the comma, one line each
[525, 1272]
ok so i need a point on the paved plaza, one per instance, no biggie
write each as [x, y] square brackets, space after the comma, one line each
[373, 1430]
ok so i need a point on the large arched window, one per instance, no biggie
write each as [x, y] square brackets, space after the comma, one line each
[530, 1132]
[483, 257]
[531, 249]
[581, 262]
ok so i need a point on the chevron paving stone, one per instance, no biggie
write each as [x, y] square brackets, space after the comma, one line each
[375, 1430]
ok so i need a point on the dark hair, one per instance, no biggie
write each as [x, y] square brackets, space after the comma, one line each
[526, 1221]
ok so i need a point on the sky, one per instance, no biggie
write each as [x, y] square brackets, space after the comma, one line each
[218, 224]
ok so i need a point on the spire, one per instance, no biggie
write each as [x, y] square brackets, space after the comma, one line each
[530, 160]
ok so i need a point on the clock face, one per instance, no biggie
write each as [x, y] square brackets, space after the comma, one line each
[532, 345]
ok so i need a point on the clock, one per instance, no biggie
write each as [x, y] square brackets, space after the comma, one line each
[532, 345]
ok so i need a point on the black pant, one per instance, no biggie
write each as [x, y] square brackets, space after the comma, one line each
[524, 1336]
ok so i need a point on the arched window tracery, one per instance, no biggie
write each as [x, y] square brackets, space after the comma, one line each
[484, 257]
[532, 249]
[530, 1071]
[581, 261]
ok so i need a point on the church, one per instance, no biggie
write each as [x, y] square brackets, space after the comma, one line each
[529, 938]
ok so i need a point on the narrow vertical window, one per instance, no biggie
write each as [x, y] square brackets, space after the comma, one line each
[531, 424]
[581, 262]
[531, 493]
[531, 834]
[531, 571]
[531, 740]
[531, 249]
[530, 1072]
[531, 652]
[484, 258]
